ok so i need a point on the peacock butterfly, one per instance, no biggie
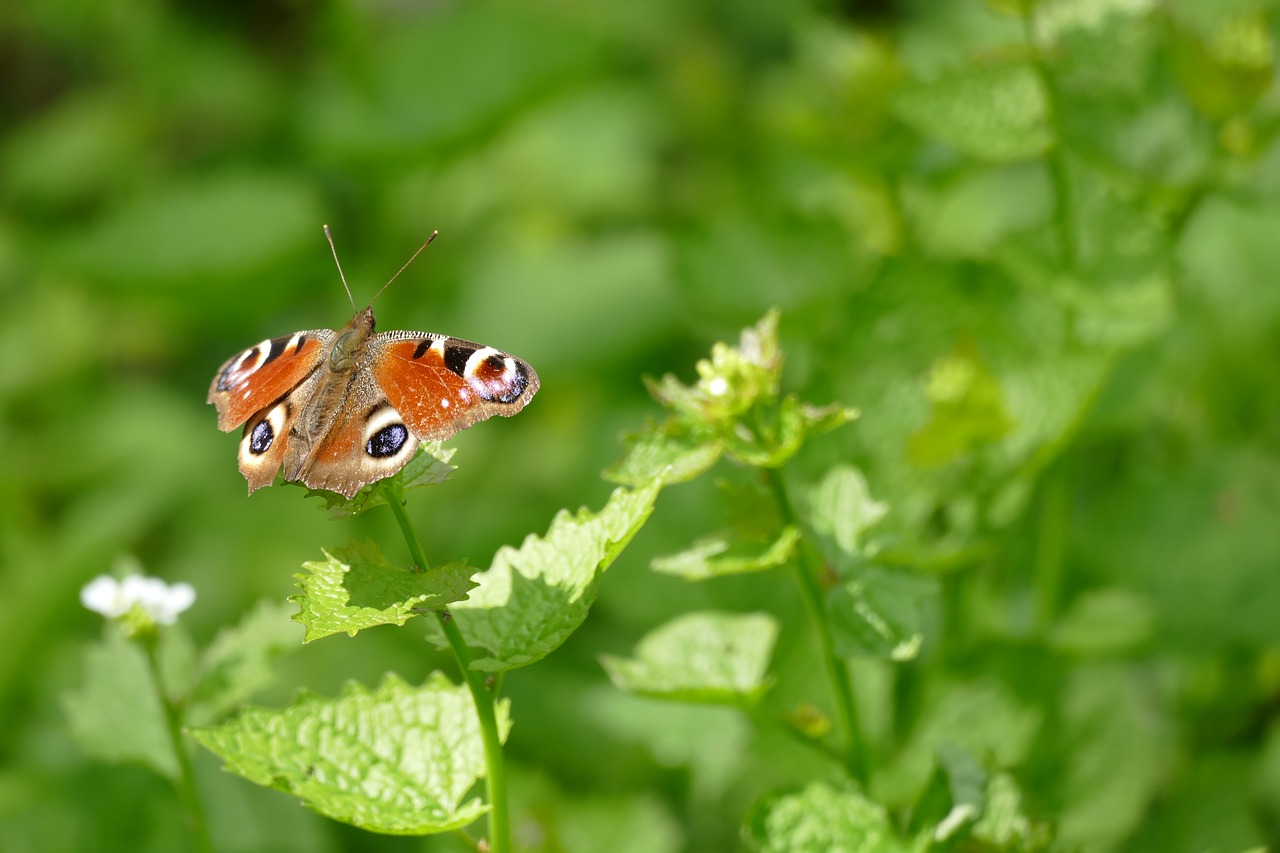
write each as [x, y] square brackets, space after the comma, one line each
[338, 410]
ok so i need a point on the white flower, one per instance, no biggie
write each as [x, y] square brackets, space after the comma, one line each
[160, 601]
[104, 595]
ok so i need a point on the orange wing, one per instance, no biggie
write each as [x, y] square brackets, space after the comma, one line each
[441, 385]
[261, 375]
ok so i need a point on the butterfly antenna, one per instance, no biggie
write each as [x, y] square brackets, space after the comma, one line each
[405, 267]
[341, 274]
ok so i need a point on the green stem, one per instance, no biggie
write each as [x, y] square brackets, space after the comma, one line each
[1059, 169]
[1051, 542]
[185, 784]
[806, 571]
[495, 769]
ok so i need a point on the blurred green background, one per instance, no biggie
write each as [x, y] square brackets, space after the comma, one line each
[1035, 243]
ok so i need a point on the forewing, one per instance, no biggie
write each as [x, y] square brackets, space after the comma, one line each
[262, 375]
[441, 385]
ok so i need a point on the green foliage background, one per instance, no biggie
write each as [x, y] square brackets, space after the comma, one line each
[1037, 251]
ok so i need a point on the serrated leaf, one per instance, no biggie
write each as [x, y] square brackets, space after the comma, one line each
[428, 467]
[730, 382]
[733, 408]
[355, 588]
[822, 818]
[781, 437]
[657, 454]
[710, 558]
[238, 662]
[116, 715]
[878, 613]
[398, 760]
[532, 598]
[719, 658]
[995, 112]
[841, 506]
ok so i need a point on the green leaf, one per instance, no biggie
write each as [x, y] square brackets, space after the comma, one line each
[428, 467]
[968, 410]
[617, 822]
[981, 717]
[116, 715]
[966, 783]
[780, 436]
[709, 558]
[992, 112]
[532, 598]
[355, 588]
[822, 818]
[1120, 313]
[878, 613]
[733, 408]
[1223, 56]
[841, 507]
[398, 760]
[975, 807]
[719, 658]
[1004, 824]
[1120, 752]
[239, 661]
[731, 382]
[1104, 621]
[657, 453]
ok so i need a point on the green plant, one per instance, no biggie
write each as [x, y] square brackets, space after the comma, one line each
[399, 758]
[1032, 242]
[404, 759]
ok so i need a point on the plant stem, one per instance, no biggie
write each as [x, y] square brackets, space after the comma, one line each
[1051, 538]
[495, 769]
[806, 571]
[1059, 168]
[185, 784]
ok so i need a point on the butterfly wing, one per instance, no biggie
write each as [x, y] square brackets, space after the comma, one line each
[339, 416]
[441, 385]
[264, 388]
[412, 386]
[365, 441]
[263, 375]
[265, 444]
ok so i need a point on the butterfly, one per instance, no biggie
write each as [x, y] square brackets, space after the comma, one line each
[338, 410]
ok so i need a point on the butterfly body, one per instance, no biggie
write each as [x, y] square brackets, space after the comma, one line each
[338, 410]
